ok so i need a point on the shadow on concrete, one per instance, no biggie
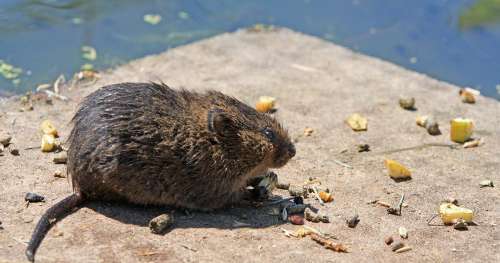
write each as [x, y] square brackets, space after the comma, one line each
[241, 216]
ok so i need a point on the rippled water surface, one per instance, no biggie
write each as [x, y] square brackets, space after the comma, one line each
[457, 40]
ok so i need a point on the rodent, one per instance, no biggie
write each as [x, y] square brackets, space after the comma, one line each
[148, 144]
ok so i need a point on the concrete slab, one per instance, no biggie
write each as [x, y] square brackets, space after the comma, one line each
[317, 84]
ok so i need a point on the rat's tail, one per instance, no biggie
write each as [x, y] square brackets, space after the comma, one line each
[53, 214]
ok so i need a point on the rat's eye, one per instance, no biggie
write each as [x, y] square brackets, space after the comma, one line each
[269, 133]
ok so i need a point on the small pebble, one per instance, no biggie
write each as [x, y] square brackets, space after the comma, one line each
[5, 138]
[363, 148]
[353, 222]
[61, 158]
[407, 103]
[59, 174]
[397, 246]
[388, 240]
[403, 233]
[486, 183]
[13, 150]
[33, 198]
[159, 224]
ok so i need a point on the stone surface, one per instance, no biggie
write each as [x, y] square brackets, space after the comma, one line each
[317, 84]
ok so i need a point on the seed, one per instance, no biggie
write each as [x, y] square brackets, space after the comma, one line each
[60, 158]
[397, 246]
[161, 223]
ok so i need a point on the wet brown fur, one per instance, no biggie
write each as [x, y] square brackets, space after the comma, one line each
[145, 143]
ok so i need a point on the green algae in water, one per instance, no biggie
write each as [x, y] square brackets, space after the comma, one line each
[87, 66]
[89, 53]
[152, 19]
[183, 15]
[482, 12]
[8, 71]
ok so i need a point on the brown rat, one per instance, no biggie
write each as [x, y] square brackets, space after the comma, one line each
[145, 143]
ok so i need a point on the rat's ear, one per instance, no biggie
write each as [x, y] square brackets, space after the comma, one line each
[219, 122]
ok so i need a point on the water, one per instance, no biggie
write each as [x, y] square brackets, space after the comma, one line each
[457, 40]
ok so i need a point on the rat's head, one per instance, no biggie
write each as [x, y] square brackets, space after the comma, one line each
[253, 135]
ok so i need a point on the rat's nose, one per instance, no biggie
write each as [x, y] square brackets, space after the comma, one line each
[291, 151]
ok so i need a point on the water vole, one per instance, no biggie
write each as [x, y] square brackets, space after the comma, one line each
[145, 143]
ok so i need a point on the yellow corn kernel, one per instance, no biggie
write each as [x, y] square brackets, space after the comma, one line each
[48, 143]
[265, 104]
[48, 128]
[450, 213]
[397, 170]
[461, 130]
[357, 122]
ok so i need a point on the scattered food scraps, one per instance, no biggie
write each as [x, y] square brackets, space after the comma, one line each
[468, 95]
[161, 223]
[403, 233]
[382, 203]
[48, 143]
[5, 138]
[429, 124]
[266, 104]
[397, 170]
[357, 122]
[461, 130]
[388, 240]
[353, 222]
[363, 147]
[48, 128]
[407, 103]
[59, 174]
[316, 217]
[403, 249]
[305, 231]
[61, 158]
[325, 197]
[308, 131]
[450, 213]
[297, 190]
[328, 244]
[33, 198]
[486, 183]
[397, 246]
[152, 19]
[89, 53]
[13, 150]
[473, 143]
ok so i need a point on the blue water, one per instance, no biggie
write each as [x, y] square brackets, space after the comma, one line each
[449, 40]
